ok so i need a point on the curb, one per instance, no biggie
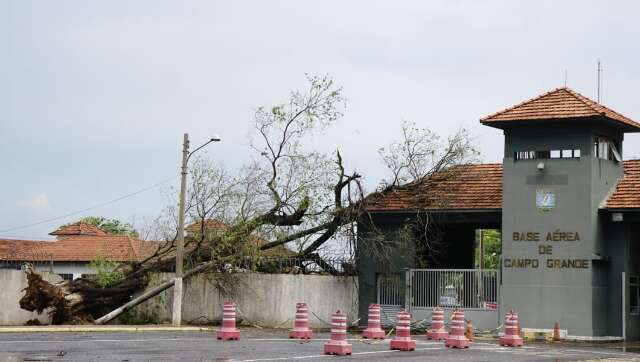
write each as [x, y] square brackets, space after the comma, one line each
[89, 328]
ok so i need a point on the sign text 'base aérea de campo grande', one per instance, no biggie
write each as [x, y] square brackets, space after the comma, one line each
[545, 248]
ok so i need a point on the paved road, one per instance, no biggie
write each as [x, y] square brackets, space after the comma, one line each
[257, 345]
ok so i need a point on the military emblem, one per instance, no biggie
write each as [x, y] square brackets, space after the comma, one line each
[545, 200]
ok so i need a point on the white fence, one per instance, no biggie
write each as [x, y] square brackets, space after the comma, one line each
[454, 288]
[420, 290]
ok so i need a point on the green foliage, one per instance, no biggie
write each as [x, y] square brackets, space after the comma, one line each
[492, 248]
[105, 271]
[111, 226]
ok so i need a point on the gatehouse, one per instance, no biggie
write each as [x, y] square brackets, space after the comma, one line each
[567, 209]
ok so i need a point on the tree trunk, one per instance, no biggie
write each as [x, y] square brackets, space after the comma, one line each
[149, 294]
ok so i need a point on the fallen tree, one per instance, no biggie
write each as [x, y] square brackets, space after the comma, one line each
[288, 196]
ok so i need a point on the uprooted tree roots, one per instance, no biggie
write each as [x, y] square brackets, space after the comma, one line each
[75, 302]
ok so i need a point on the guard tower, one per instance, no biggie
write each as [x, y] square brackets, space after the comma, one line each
[562, 160]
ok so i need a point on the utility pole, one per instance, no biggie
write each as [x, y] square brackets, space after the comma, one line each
[177, 288]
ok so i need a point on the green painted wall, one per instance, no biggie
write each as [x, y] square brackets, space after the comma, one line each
[543, 295]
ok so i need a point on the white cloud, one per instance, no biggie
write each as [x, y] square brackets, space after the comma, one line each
[38, 202]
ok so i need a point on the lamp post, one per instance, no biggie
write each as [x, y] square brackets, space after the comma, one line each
[177, 287]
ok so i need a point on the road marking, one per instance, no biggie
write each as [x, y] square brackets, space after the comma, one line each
[323, 355]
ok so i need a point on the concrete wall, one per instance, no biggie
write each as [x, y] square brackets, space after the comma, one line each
[12, 283]
[267, 300]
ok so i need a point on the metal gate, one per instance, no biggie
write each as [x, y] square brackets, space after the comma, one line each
[420, 290]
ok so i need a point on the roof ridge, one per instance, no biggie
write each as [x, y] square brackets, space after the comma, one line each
[585, 100]
[520, 104]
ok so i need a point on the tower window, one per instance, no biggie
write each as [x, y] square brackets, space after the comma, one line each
[606, 149]
[535, 155]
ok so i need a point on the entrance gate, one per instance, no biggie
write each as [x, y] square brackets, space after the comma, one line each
[420, 290]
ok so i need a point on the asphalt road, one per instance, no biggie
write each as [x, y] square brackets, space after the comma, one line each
[263, 345]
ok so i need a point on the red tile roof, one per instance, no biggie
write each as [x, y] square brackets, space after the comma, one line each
[627, 193]
[560, 103]
[468, 187]
[208, 224]
[479, 187]
[78, 228]
[120, 248]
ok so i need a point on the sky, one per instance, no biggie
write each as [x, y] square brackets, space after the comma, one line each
[95, 96]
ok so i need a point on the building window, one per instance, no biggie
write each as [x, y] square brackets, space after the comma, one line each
[634, 295]
[606, 149]
[68, 277]
[543, 155]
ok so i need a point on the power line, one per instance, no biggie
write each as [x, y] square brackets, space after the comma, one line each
[92, 207]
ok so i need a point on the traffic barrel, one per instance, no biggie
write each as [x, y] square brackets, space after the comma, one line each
[437, 331]
[374, 330]
[228, 330]
[402, 340]
[456, 338]
[338, 343]
[301, 324]
[511, 337]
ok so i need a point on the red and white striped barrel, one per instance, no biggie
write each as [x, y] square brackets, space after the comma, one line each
[338, 343]
[301, 324]
[229, 315]
[374, 330]
[511, 335]
[403, 340]
[339, 326]
[228, 330]
[437, 331]
[457, 339]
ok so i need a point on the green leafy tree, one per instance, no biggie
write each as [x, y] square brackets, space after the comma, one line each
[111, 226]
[106, 273]
[492, 248]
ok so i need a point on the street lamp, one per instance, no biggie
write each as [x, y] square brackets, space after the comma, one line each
[177, 287]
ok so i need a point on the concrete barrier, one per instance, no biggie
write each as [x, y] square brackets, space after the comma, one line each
[267, 300]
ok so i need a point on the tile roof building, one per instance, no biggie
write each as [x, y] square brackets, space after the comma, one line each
[76, 246]
[78, 228]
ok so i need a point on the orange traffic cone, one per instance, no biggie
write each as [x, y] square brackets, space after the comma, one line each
[556, 332]
[469, 331]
